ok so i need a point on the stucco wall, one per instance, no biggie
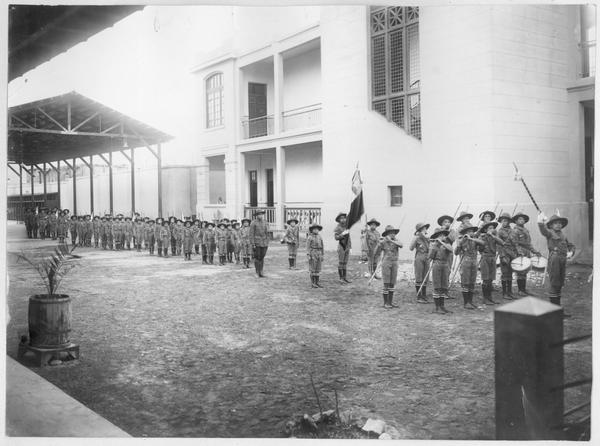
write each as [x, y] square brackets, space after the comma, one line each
[302, 80]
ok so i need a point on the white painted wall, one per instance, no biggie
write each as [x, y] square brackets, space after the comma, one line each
[304, 174]
[259, 72]
[259, 162]
[302, 80]
[216, 186]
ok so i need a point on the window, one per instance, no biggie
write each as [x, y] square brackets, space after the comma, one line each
[395, 68]
[395, 195]
[587, 42]
[214, 101]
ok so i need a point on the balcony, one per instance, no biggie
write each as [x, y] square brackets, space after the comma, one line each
[257, 127]
[301, 118]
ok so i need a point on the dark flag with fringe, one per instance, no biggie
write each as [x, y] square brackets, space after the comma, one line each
[357, 208]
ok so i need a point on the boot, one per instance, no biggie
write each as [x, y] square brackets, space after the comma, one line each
[204, 259]
[391, 299]
[290, 261]
[442, 307]
[261, 265]
[341, 274]
[436, 301]
[256, 266]
[166, 252]
[344, 276]
[211, 259]
[386, 301]
[197, 249]
[509, 293]
[421, 299]
[490, 288]
[504, 289]
[466, 305]
[317, 282]
[313, 281]
[521, 283]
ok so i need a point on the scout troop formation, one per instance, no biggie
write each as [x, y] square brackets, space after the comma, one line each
[447, 252]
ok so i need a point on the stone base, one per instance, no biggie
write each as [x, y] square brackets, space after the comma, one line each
[44, 355]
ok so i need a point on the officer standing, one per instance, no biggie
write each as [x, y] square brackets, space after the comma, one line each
[342, 235]
[259, 240]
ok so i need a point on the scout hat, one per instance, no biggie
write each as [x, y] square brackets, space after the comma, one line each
[464, 230]
[340, 215]
[260, 211]
[164, 222]
[210, 224]
[439, 232]
[73, 217]
[505, 216]
[555, 218]
[373, 222]
[233, 220]
[291, 220]
[221, 224]
[128, 218]
[187, 223]
[311, 227]
[237, 224]
[103, 218]
[246, 219]
[444, 217]
[520, 214]
[150, 221]
[389, 229]
[421, 226]
[487, 212]
[463, 215]
[485, 227]
[159, 218]
[96, 217]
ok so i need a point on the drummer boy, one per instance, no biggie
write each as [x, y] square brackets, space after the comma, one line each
[558, 247]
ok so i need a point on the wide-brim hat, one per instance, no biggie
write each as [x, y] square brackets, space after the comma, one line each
[421, 226]
[221, 224]
[389, 229]
[492, 213]
[127, 218]
[246, 219]
[520, 214]
[441, 219]
[311, 227]
[438, 232]
[151, 221]
[485, 227]
[373, 222]
[187, 223]
[210, 223]
[505, 216]
[340, 215]
[555, 218]
[292, 220]
[157, 220]
[96, 217]
[259, 212]
[73, 217]
[464, 230]
[464, 215]
[237, 223]
[164, 222]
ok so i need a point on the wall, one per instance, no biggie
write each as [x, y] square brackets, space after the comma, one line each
[259, 162]
[260, 72]
[216, 186]
[302, 80]
[304, 174]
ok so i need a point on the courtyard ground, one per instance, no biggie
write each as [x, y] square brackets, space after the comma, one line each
[175, 348]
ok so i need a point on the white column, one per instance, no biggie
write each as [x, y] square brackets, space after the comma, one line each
[202, 187]
[242, 184]
[279, 185]
[278, 91]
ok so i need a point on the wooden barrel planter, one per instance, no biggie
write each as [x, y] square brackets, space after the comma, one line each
[49, 320]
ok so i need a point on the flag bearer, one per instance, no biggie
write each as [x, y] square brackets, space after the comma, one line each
[467, 249]
[487, 264]
[389, 264]
[342, 235]
[439, 252]
[209, 241]
[420, 244]
[188, 240]
[165, 237]
[372, 238]
[96, 230]
[524, 248]
[259, 239]
[245, 245]
[558, 247]
[507, 251]
[314, 252]
[292, 238]
[221, 236]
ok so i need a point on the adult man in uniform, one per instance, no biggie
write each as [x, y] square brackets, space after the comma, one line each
[342, 235]
[259, 239]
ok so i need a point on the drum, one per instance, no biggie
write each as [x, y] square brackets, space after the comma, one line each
[521, 264]
[539, 263]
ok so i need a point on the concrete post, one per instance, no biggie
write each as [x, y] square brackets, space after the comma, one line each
[279, 186]
[529, 370]
[278, 92]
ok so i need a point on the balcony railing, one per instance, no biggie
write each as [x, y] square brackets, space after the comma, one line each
[301, 118]
[305, 216]
[249, 212]
[256, 127]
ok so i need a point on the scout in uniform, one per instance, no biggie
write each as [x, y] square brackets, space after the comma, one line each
[150, 238]
[139, 230]
[157, 229]
[43, 224]
[178, 237]
[342, 235]
[259, 239]
[420, 244]
[96, 230]
[127, 233]
[484, 218]
[507, 252]
[314, 252]
[389, 264]
[209, 241]
[35, 223]
[165, 237]
[439, 252]
[524, 248]
[230, 241]
[558, 247]
[117, 232]
[292, 239]
[62, 225]
[487, 264]
[109, 232]
[188, 240]
[465, 220]
[221, 236]
[467, 249]
[79, 230]
[203, 226]
[372, 237]
[237, 242]
[27, 221]
[245, 245]
[172, 222]
[197, 233]
[102, 232]
[445, 222]
[52, 219]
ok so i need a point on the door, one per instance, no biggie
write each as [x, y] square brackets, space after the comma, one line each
[257, 109]
[588, 112]
[270, 191]
[253, 188]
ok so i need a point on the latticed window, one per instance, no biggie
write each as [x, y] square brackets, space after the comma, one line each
[395, 69]
[214, 100]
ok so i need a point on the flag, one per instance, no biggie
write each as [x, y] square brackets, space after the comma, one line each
[357, 208]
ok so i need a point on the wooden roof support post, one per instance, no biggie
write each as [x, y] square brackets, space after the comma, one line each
[21, 189]
[32, 175]
[45, 190]
[159, 168]
[132, 160]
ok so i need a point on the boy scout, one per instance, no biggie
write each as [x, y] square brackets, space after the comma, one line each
[127, 233]
[487, 263]
[292, 238]
[558, 247]
[117, 232]
[27, 221]
[159, 243]
[188, 240]
[372, 237]
[178, 237]
[209, 241]
[52, 220]
[203, 250]
[420, 244]
[237, 242]
[109, 232]
[484, 218]
[230, 243]
[102, 232]
[197, 234]
[314, 251]
[467, 249]
[342, 235]
[245, 245]
[439, 252]
[96, 230]
[507, 252]
[524, 248]
[445, 222]
[259, 239]
[62, 227]
[221, 236]
[165, 237]
[139, 231]
[465, 220]
[389, 264]
[43, 222]
[149, 236]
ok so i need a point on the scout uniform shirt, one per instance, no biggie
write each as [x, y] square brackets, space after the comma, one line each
[372, 239]
[259, 233]
[508, 251]
[314, 250]
[522, 241]
[337, 233]
[557, 241]
[209, 239]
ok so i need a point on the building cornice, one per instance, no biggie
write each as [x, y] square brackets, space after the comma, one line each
[586, 83]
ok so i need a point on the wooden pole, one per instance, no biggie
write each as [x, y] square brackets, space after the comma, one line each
[110, 182]
[159, 168]
[132, 182]
[19, 218]
[32, 175]
[74, 167]
[45, 190]
[91, 167]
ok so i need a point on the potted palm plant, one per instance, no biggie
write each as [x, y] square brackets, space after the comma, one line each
[49, 315]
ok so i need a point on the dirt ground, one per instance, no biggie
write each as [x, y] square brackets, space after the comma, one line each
[178, 349]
